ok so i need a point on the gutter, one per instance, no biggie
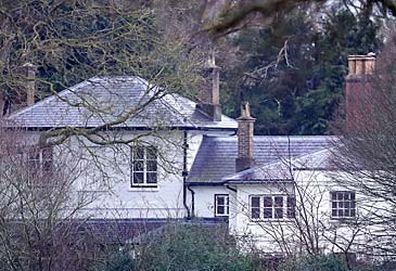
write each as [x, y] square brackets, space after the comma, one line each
[185, 174]
[192, 200]
[231, 188]
[136, 128]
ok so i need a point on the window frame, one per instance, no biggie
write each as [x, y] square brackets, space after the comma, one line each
[226, 205]
[264, 208]
[144, 171]
[352, 208]
[42, 159]
[39, 163]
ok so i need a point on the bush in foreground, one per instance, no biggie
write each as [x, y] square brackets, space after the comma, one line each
[181, 247]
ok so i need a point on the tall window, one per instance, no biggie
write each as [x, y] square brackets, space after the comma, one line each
[343, 204]
[144, 166]
[272, 207]
[39, 161]
[222, 205]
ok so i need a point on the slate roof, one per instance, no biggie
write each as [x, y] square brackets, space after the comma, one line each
[215, 160]
[111, 97]
[283, 169]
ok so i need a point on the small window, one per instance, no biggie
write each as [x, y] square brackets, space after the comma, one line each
[144, 166]
[222, 205]
[273, 207]
[343, 204]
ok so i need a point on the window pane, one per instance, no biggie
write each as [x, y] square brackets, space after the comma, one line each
[138, 178]
[151, 165]
[138, 152]
[220, 210]
[352, 196]
[291, 213]
[151, 178]
[267, 212]
[151, 153]
[334, 212]
[138, 166]
[346, 213]
[220, 200]
[255, 202]
[340, 196]
[333, 196]
[267, 201]
[340, 213]
[278, 201]
[291, 205]
[255, 213]
[291, 201]
[278, 212]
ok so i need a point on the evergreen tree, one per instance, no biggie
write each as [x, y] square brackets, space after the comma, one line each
[293, 72]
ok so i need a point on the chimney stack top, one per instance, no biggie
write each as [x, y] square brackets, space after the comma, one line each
[360, 65]
[245, 112]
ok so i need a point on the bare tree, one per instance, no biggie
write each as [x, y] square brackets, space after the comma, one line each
[233, 15]
[67, 42]
[40, 228]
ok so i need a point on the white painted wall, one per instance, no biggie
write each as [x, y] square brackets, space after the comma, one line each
[204, 199]
[119, 200]
[312, 189]
[100, 175]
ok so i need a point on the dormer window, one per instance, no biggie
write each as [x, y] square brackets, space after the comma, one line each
[144, 166]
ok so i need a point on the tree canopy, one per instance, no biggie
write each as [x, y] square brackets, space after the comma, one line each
[293, 73]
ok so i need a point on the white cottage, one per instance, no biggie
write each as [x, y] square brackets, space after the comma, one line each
[189, 161]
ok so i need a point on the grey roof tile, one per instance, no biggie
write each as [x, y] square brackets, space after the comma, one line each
[100, 100]
[215, 161]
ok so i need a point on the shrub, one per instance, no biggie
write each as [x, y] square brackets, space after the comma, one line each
[314, 263]
[183, 247]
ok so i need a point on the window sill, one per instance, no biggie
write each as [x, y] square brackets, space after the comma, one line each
[143, 188]
[221, 216]
[271, 220]
[342, 219]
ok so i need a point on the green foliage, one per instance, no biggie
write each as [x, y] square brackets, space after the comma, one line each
[184, 247]
[297, 92]
[314, 263]
[71, 41]
[119, 261]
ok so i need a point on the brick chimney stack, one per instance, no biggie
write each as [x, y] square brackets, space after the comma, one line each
[245, 158]
[358, 88]
[209, 95]
[30, 75]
